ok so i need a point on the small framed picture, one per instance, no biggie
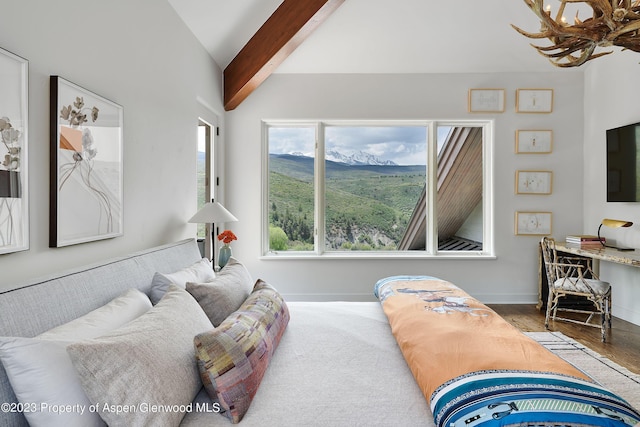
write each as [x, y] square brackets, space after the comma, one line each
[533, 223]
[534, 100]
[486, 100]
[534, 141]
[533, 182]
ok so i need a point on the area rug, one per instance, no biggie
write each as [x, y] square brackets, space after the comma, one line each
[614, 377]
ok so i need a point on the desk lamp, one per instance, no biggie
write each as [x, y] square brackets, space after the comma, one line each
[614, 223]
[211, 213]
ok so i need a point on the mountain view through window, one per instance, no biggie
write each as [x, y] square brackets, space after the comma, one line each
[367, 191]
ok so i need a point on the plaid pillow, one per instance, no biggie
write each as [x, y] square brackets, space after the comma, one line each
[234, 357]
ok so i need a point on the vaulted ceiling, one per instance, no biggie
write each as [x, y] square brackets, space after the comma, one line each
[381, 36]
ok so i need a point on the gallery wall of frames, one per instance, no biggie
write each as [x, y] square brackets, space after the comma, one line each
[530, 182]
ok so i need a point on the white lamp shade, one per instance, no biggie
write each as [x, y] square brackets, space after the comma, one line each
[211, 213]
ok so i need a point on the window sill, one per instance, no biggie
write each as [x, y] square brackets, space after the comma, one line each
[377, 256]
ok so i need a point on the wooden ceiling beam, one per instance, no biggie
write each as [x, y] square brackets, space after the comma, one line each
[280, 35]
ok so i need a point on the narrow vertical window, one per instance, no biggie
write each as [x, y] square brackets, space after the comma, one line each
[460, 188]
[205, 172]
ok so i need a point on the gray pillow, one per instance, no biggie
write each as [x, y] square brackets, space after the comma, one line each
[149, 361]
[199, 271]
[225, 294]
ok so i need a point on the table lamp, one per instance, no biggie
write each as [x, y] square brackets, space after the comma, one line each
[614, 223]
[211, 213]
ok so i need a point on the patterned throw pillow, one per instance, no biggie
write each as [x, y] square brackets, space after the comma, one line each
[234, 357]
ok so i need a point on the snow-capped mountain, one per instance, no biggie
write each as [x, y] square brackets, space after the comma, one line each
[357, 158]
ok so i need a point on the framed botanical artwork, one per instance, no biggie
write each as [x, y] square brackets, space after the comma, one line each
[486, 100]
[14, 164]
[533, 182]
[534, 141]
[533, 223]
[86, 133]
[534, 100]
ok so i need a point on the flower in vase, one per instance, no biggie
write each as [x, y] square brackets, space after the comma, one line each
[227, 237]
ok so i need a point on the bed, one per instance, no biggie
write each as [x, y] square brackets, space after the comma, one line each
[310, 364]
[337, 364]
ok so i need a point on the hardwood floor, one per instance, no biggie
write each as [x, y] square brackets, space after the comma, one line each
[623, 341]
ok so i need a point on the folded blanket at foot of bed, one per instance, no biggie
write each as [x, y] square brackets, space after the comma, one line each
[475, 369]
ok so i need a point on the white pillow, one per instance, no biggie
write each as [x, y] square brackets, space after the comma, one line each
[40, 370]
[43, 378]
[200, 271]
[121, 310]
[149, 361]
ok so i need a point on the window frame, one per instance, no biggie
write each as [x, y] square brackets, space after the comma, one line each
[209, 244]
[431, 250]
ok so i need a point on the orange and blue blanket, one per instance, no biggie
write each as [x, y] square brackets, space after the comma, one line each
[476, 369]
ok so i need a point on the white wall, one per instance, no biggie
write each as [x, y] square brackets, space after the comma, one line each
[611, 100]
[512, 276]
[472, 227]
[140, 55]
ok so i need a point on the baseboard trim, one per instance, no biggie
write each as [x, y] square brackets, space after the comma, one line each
[354, 297]
[625, 313]
[318, 297]
[507, 298]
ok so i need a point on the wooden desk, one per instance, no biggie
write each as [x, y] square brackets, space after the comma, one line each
[594, 252]
[601, 253]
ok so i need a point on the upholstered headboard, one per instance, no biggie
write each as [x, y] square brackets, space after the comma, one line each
[38, 305]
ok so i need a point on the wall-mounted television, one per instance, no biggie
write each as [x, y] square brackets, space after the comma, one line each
[623, 163]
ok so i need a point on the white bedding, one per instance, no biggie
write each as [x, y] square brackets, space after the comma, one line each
[337, 365]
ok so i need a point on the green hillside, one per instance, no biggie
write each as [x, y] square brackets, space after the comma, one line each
[368, 207]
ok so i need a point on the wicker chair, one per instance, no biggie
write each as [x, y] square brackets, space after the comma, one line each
[571, 276]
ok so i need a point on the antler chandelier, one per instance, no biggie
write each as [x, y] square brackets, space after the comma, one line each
[614, 23]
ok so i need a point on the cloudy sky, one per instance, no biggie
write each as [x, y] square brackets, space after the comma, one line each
[405, 145]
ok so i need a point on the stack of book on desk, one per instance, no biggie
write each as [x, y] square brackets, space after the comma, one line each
[585, 239]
